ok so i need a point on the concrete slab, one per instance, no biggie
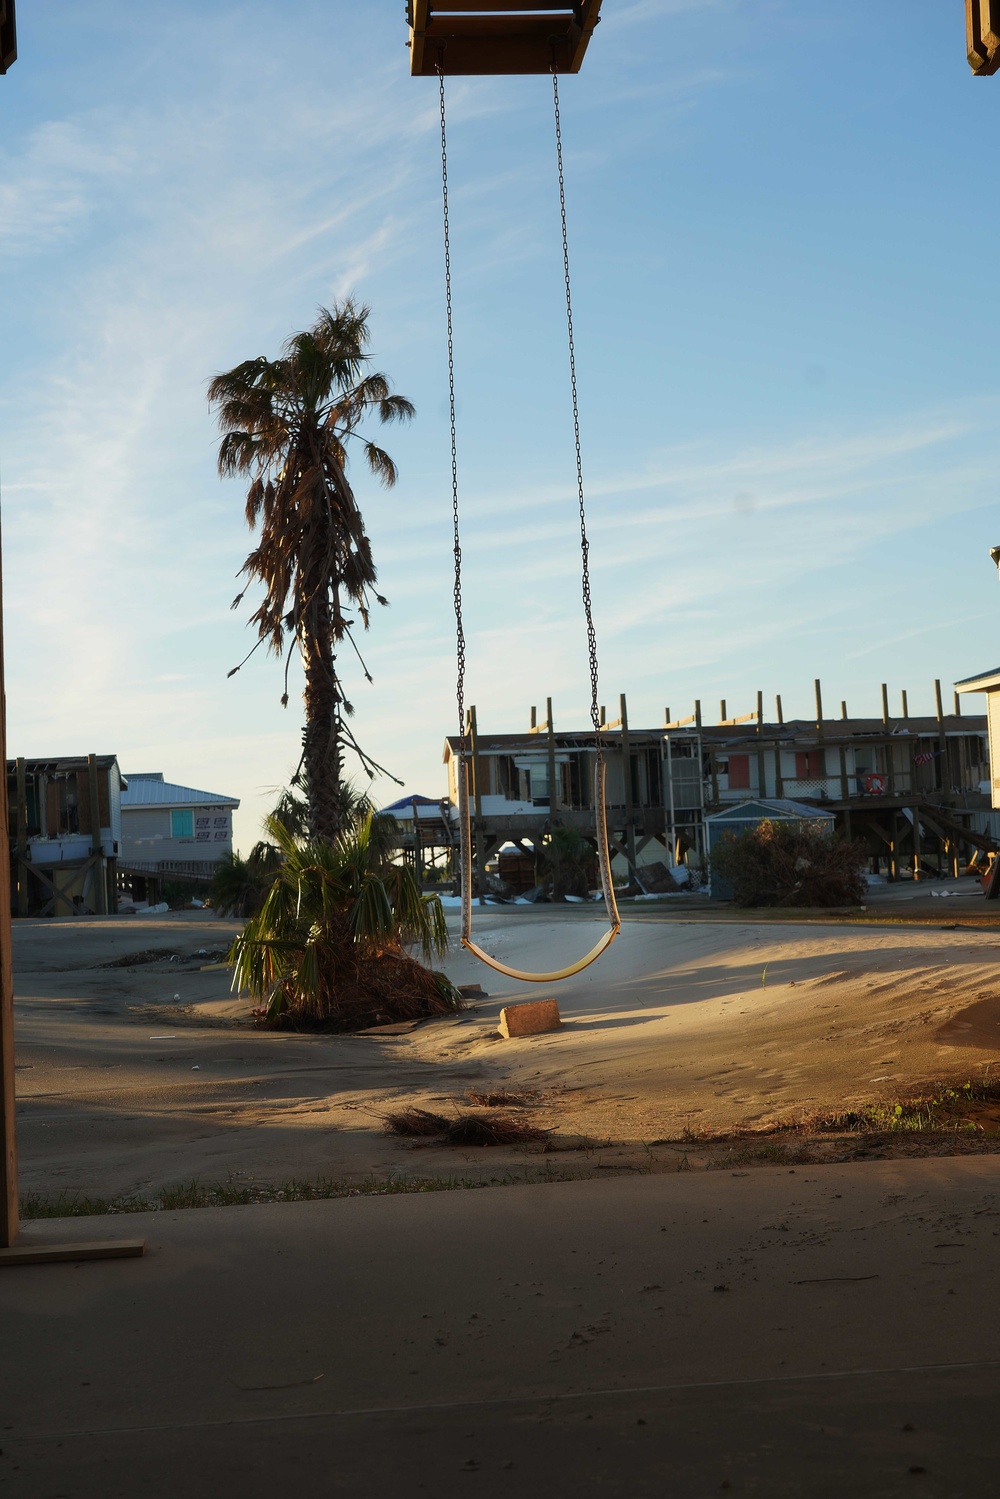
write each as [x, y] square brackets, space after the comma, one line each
[819, 1332]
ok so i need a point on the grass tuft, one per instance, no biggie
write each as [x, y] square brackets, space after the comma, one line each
[192, 1194]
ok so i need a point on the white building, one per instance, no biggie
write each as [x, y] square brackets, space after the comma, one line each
[171, 829]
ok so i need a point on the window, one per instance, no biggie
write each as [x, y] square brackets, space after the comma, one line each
[809, 765]
[182, 824]
[739, 772]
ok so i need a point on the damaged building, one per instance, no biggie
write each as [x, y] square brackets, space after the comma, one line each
[65, 828]
[914, 789]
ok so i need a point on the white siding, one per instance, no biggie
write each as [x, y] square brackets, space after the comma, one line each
[993, 720]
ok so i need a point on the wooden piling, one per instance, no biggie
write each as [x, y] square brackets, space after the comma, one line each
[96, 846]
[22, 840]
[627, 774]
[478, 833]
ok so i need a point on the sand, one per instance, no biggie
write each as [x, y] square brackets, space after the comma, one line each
[821, 1332]
[132, 1077]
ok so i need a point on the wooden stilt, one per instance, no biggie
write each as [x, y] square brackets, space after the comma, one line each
[477, 784]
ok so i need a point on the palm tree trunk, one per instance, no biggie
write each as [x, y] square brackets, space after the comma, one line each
[322, 751]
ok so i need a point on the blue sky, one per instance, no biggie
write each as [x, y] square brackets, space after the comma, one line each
[782, 233]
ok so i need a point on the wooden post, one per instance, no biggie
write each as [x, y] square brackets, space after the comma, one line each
[958, 705]
[627, 773]
[667, 718]
[906, 706]
[761, 768]
[604, 714]
[96, 847]
[777, 704]
[22, 839]
[418, 853]
[8, 1137]
[845, 792]
[843, 709]
[551, 737]
[916, 841]
[478, 833]
[697, 714]
[819, 708]
[885, 703]
[534, 718]
[942, 739]
[722, 710]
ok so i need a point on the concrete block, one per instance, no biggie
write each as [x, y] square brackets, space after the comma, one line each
[530, 1018]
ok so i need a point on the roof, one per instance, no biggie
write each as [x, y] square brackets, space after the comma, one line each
[145, 792]
[405, 803]
[985, 682]
[776, 807]
[62, 765]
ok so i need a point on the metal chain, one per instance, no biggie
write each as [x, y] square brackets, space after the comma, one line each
[595, 711]
[459, 625]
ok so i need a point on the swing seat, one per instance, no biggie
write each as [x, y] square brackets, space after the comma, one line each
[607, 885]
[499, 36]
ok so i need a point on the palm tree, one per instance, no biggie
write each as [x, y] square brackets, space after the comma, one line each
[328, 946]
[285, 425]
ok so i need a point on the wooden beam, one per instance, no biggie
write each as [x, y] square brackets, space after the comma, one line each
[982, 36]
[905, 704]
[499, 36]
[819, 707]
[777, 704]
[885, 703]
[8, 1133]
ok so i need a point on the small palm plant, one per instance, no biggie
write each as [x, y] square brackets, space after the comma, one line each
[328, 947]
[568, 863]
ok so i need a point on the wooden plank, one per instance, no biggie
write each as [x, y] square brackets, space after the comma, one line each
[507, 8]
[445, 27]
[28, 1253]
